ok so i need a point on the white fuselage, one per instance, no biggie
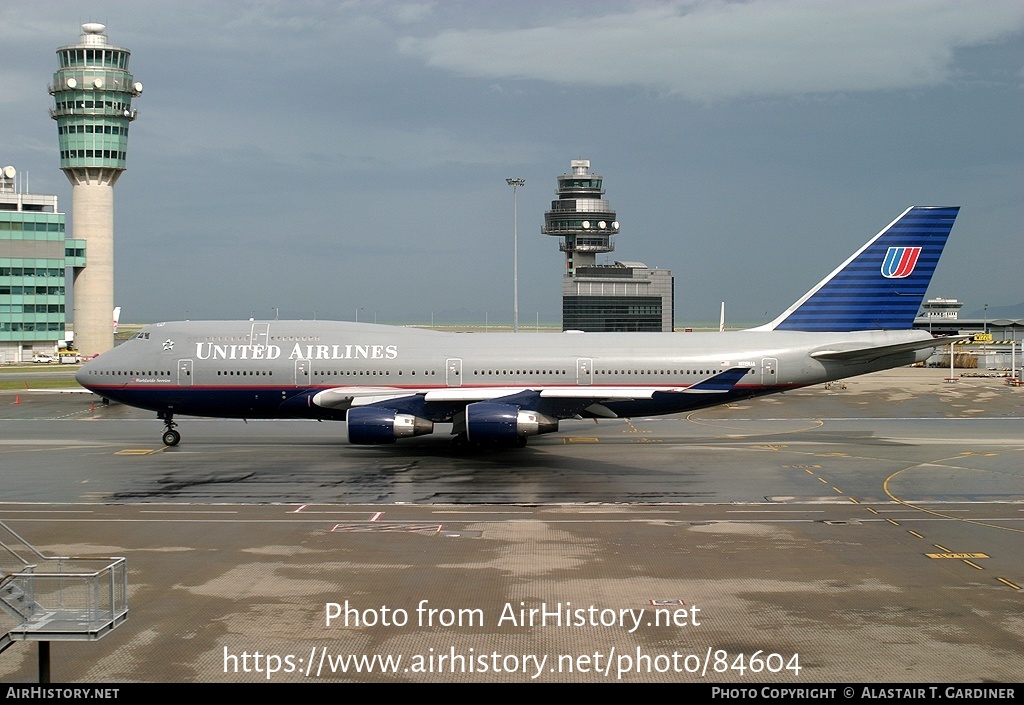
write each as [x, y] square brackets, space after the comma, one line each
[250, 368]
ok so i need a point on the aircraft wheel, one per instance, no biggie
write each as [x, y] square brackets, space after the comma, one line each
[520, 442]
[171, 438]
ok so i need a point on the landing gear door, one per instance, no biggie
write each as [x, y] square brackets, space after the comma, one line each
[769, 371]
[184, 373]
[453, 372]
[584, 371]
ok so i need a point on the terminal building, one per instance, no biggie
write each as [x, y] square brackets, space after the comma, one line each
[996, 343]
[92, 104]
[624, 296]
[621, 296]
[940, 315]
[33, 256]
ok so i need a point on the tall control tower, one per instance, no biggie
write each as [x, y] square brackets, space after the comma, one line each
[580, 216]
[92, 94]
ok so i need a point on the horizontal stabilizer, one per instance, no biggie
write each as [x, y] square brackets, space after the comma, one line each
[866, 354]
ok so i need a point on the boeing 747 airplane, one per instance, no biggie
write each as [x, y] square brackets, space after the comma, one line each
[389, 383]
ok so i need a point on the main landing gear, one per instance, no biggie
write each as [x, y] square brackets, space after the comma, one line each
[171, 437]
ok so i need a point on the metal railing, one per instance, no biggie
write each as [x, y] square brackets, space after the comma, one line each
[49, 598]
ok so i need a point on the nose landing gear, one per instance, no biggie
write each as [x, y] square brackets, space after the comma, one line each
[171, 437]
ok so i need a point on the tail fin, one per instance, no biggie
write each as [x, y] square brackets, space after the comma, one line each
[881, 286]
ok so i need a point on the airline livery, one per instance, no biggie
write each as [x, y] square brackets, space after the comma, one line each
[500, 388]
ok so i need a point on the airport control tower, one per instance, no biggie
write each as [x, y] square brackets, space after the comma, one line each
[621, 296]
[92, 93]
[581, 217]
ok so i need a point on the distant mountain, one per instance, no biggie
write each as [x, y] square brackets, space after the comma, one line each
[1011, 312]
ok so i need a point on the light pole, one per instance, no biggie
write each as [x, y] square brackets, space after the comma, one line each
[984, 345]
[515, 184]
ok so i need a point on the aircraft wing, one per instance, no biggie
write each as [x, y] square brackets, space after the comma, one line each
[345, 397]
[866, 354]
[582, 395]
[584, 392]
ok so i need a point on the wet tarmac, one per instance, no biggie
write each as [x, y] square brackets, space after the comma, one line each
[866, 533]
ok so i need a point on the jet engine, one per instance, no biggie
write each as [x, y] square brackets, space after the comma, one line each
[370, 425]
[490, 422]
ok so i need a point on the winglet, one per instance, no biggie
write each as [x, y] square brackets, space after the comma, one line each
[881, 286]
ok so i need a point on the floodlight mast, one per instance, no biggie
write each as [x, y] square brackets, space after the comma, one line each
[515, 184]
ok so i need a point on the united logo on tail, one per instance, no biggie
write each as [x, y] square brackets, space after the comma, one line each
[899, 262]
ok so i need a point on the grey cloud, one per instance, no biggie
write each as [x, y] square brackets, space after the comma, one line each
[715, 50]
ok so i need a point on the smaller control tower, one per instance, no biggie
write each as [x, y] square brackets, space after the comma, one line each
[92, 104]
[623, 296]
[580, 216]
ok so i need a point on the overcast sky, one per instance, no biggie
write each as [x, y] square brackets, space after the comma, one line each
[323, 157]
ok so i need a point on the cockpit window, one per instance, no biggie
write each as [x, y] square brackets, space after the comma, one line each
[141, 336]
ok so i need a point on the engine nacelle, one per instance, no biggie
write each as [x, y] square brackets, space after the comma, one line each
[370, 425]
[491, 422]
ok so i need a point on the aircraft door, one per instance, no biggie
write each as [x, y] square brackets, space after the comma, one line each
[769, 371]
[584, 371]
[260, 334]
[184, 373]
[453, 372]
[302, 372]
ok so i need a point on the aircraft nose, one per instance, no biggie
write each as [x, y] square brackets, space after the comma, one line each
[83, 374]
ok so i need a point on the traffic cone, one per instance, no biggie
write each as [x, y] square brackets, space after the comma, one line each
[17, 399]
[92, 406]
